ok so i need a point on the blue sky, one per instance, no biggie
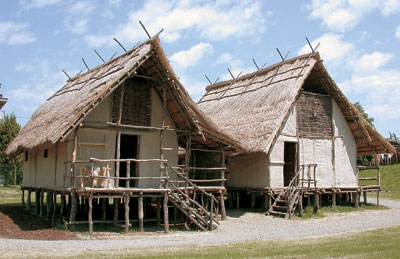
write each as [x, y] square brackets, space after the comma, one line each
[359, 43]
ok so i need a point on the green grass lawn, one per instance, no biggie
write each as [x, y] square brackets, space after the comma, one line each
[390, 180]
[382, 243]
[10, 195]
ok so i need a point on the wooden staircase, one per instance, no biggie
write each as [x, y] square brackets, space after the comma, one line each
[202, 218]
[288, 199]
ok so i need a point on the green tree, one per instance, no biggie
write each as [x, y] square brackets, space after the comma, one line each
[9, 129]
[393, 136]
[364, 113]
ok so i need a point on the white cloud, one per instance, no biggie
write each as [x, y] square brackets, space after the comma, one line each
[380, 92]
[332, 48]
[23, 67]
[397, 33]
[371, 62]
[81, 8]
[77, 26]
[77, 20]
[42, 80]
[210, 20]
[12, 33]
[190, 57]
[38, 3]
[341, 15]
[114, 2]
[235, 66]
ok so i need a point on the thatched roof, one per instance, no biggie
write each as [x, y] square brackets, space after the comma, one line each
[64, 111]
[253, 107]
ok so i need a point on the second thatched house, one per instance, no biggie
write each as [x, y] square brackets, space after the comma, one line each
[302, 135]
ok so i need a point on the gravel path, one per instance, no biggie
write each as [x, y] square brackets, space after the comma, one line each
[240, 226]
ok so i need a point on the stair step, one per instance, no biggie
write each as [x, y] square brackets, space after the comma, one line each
[277, 213]
[280, 207]
[281, 201]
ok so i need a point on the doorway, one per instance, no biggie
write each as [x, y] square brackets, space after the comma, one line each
[129, 148]
[290, 159]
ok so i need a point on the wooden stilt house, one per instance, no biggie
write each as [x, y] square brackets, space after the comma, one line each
[302, 135]
[125, 132]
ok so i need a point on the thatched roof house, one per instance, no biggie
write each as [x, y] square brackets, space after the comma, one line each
[292, 108]
[63, 112]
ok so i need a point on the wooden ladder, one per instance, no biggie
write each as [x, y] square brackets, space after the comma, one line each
[288, 199]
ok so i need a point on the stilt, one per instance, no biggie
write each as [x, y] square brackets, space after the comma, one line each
[377, 198]
[211, 213]
[104, 208]
[90, 211]
[23, 197]
[301, 204]
[165, 207]
[253, 201]
[41, 203]
[37, 202]
[116, 209]
[126, 201]
[333, 199]
[140, 211]
[269, 200]
[356, 199]
[62, 205]
[308, 200]
[365, 197]
[54, 209]
[72, 213]
[29, 200]
[230, 200]
[316, 202]
[223, 210]
[49, 201]
[237, 200]
[158, 212]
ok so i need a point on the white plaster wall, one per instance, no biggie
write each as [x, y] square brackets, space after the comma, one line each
[345, 151]
[318, 151]
[248, 171]
[290, 127]
[29, 170]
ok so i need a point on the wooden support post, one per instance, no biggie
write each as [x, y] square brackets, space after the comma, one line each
[237, 200]
[356, 199]
[158, 211]
[23, 198]
[126, 202]
[365, 197]
[62, 206]
[253, 201]
[49, 200]
[54, 209]
[165, 208]
[37, 202]
[377, 198]
[175, 216]
[308, 200]
[211, 213]
[72, 214]
[316, 202]
[269, 200]
[41, 203]
[333, 199]
[301, 204]
[230, 200]
[116, 210]
[104, 208]
[29, 200]
[140, 212]
[90, 212]
[223, 210]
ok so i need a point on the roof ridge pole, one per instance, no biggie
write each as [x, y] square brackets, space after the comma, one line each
[309, 44]
[208, 79]
[97, 53]
[64, 73]
[119, 43]
[144, 28]
[84, 62]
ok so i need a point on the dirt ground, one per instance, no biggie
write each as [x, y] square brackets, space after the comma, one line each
[17, 223]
